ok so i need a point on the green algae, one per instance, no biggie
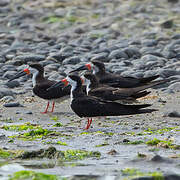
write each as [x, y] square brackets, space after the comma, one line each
[32, 175]
[61, 143]
[163, 143]
[135, 142]
[8, 154]
[159, 131]
[21, 127]
[156, 141]
[4, 154]
[70, 18]
[58, 125]
[98, 133]
[61, 156]
[71, 154]
[103, 144]
[133, 173]
[34, 134]
[55, 118]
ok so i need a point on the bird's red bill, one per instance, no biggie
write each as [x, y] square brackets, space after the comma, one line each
[88, 66]
[65, 81]
[27, 71]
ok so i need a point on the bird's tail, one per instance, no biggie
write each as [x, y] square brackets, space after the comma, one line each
[149, 79]
[141, 94]
[149, 85]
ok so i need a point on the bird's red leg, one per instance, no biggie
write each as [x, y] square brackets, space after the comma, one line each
[89, 123]
[87, 126]
[46, 108]
[53, 104]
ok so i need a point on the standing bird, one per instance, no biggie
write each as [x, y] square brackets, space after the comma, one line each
[41, 84]
[114, 80]
[108, 93]
[90, 106]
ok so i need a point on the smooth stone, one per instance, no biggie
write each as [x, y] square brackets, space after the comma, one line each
[167, 24]
[72, 60]
[132, 52]
[52, 67]
[60, 12]
[158, 158]
[4, 2]
[101, 56]
[172, 113]
[175, 86]
[149, 57]
[168, 91]
[117, 54]
[28, 112]
[173, 1]
[66, 49]
[12, 84]
[7, 98]
[30, 58]
[13, 104]
[176, 36]
[9, 74]
[8, 68]
[6, 92]
[15, 62]
[10, 56]
[154, 53]
[24, 112]
[2, 59]
[149, 43]
[147, 50]
[168, 72]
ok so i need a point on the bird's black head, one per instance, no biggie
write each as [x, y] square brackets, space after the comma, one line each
[75, 78]
[37, 66]
[90, 76]
[99, 65]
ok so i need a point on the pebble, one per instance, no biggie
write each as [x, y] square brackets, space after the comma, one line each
[6, 92]
[30, 58]
[175, 86]
[13, 104]
[118, 54]
[172, 113]
[72, 60]
[7, 98]
[12, 84]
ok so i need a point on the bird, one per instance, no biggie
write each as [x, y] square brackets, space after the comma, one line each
[41, 84]
[89, 106]
[122, 95]
[112, 79]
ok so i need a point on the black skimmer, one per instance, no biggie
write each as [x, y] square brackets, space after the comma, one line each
[41, 84]
[122, 95]
[114, 80]
[90, 106]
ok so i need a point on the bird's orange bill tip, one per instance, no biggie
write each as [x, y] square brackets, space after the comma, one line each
[88, 66]
[65, 81]
[27, 71]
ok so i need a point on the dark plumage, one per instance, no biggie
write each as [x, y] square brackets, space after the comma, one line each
[41, 84]
[125, 95]
[114, 80]
[89, 106]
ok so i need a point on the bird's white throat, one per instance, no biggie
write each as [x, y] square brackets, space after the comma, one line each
[34, 72]
[73, 86]
[95, 69]
[88, 83]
